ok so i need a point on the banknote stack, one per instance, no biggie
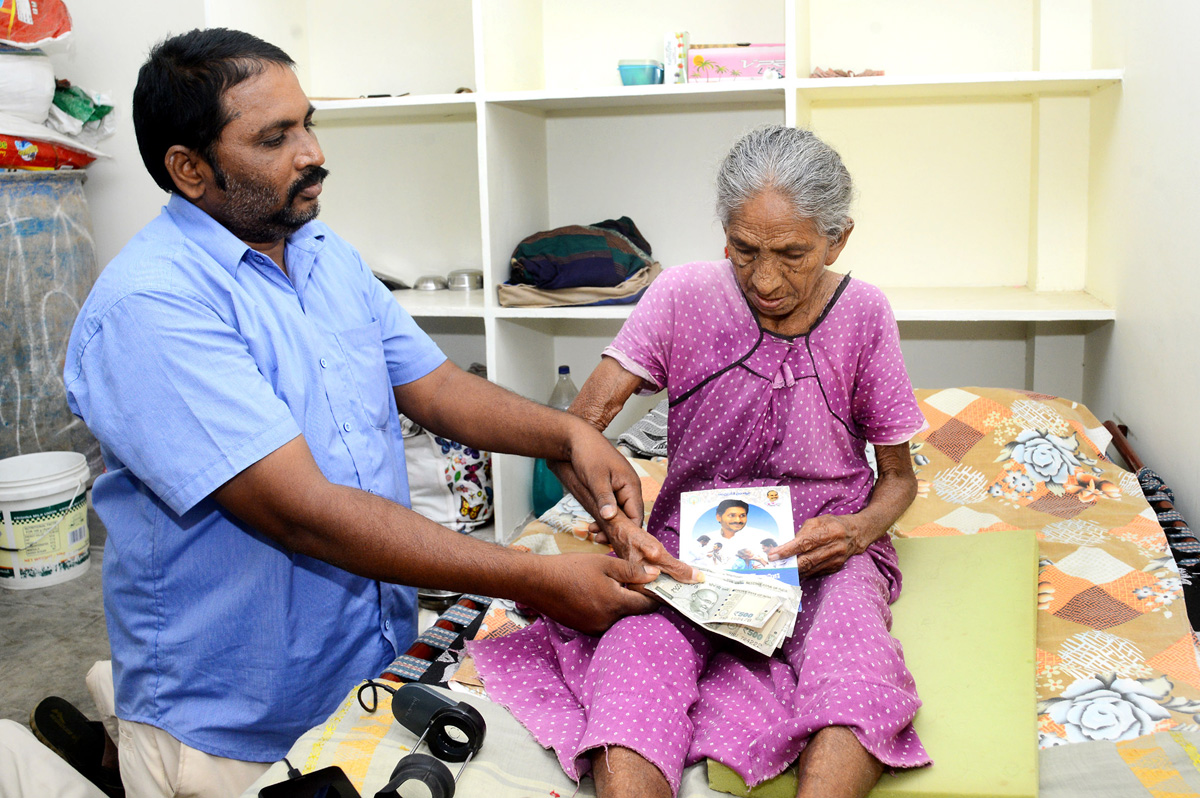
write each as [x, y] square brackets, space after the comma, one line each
[756, 611]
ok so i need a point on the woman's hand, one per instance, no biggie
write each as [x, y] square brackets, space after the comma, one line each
[824, 543]
[636, 545]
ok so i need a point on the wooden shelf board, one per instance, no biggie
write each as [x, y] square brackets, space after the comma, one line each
[419, 105]
[995, 304]
[441, 304]
[991, 84]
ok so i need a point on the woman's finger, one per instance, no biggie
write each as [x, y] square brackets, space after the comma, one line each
[813, 534]
[653, 552]
[824, 560]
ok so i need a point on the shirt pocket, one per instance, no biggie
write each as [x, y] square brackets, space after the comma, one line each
[363, 350]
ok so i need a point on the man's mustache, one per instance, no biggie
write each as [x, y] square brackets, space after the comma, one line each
[312, 176]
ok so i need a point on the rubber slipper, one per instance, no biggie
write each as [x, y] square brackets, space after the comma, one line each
[67, 732]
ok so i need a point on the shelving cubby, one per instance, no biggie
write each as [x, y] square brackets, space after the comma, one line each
[974, 156]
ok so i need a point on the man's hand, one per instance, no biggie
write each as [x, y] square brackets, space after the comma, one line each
[823, 544]
[587, 591]
[637, 546]
[600, 477]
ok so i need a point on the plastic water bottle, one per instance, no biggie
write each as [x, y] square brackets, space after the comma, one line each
[547, 490]
[564, 390]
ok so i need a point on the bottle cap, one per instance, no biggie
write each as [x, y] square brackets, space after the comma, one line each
[564, 369]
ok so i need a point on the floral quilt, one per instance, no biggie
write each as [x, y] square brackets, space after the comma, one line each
[1116, 657]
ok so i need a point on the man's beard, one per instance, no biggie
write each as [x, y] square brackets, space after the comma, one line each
[246, 198]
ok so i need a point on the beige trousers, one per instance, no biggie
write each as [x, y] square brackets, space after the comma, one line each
[29, 769]
[156, 765]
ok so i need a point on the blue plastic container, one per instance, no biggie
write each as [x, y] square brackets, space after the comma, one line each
[640, 72]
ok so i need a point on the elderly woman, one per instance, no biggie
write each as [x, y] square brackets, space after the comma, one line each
[779, 372]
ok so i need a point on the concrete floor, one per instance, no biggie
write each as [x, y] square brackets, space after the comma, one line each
[51, 636]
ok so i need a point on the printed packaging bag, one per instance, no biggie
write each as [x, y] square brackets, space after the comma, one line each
[448, 483]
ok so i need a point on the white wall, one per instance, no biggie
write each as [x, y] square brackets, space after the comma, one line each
[107, 47]
[1145, 237]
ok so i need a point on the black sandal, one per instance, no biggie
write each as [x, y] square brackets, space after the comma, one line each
[67, 732]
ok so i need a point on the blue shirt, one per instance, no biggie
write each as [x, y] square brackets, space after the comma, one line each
[194, 357]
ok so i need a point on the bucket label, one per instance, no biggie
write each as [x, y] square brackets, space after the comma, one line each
[49, 540]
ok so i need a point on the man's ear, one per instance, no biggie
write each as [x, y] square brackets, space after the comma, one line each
[188, 171]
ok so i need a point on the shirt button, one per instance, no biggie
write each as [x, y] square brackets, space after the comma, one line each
[324, 363]
[347, 426]
[387, 624]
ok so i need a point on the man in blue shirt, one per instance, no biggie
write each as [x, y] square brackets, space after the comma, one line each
[242, 369]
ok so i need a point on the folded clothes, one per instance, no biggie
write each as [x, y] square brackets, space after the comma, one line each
[628, 292]
[604, 254]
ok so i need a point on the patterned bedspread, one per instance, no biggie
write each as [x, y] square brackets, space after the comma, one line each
[1116, 655]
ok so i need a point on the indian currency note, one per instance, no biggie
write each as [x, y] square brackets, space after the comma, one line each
[749, 603]
[756, 639]
[719, 600]
[758, 612]
[699, 604]
[766, 640]
[697, 601]
[771, 635]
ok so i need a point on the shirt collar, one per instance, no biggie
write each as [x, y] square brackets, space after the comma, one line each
[223, 246]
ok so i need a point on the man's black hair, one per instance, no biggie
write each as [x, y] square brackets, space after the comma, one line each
[725, 505]
[180, 89]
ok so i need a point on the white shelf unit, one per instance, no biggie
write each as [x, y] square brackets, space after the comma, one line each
[972, 154]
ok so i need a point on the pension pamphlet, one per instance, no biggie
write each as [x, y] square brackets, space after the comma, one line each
[726, 533]
[731, 529]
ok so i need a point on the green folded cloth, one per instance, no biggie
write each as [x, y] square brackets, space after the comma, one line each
[968, 621]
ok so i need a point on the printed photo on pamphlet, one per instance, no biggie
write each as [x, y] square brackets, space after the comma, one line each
[733, 528]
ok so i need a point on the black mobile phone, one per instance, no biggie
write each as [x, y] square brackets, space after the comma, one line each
[330, 782]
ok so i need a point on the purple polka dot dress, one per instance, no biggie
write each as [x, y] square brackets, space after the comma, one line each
[747, 408]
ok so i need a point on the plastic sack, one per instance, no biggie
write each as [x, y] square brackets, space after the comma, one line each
[17, 153]
[26, 83]
[80, 104]
[85, 116]
[32, 23]
[30, 146]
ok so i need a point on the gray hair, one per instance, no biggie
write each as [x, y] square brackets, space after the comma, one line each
[797, 164]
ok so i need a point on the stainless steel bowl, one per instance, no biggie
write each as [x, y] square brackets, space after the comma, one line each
[465, 280]
[437, 600]
[430, 282]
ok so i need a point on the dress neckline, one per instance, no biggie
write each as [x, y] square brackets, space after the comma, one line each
[837, 293]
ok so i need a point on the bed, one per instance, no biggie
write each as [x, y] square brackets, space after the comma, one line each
[1116, 681]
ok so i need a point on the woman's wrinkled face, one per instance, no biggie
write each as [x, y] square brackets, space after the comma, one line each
[778, 258]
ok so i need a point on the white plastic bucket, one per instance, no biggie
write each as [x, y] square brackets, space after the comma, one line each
[43, 508]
